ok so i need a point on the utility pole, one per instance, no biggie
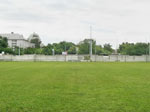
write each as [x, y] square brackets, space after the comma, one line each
[77, 49]
[117, 46]
[91, 42]
[19, 50]
[91, 48]
[117, 42]
[53, 52]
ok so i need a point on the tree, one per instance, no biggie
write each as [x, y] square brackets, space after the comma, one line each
[29, 51]
[133, 49]
[108, 49]
[17, 50]
[3, 42]
[99, 50]
[141, 48]
[84, 46]
[72, 50]
[47, 50]
[4, 46]
[37, 42]
[58, 49]
[64, 47]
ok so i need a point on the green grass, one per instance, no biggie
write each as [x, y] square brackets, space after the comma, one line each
[74, 87]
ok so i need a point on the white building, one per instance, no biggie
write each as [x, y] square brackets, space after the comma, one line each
[17, 40]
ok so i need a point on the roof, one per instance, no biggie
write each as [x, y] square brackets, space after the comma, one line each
[13, 36]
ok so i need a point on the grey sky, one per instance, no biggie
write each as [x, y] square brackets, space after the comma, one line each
[113, 21]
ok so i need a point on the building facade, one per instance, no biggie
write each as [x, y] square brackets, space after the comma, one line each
[17, 40]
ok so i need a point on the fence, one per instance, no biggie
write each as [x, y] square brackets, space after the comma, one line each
[80, 58]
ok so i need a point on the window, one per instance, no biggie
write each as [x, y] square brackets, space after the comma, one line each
[14, 43]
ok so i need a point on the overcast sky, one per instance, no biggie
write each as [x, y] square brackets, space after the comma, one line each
[113, 21]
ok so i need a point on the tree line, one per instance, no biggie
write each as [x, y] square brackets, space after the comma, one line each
[72, 48]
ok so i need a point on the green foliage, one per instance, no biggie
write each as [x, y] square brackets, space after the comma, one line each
[99, 50]
[59, 48]
[108, 49]
[29, 51]
[6, 50]
[47, 50]
[17, 50]
[37, 42]
[124, 48]
[38, 51]
[72, 50]
[4, 46]
[133, 49]
[84, 46]
[64, 46]
[3, 42]
[33, 51]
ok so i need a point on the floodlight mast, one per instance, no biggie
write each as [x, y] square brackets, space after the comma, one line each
[53, 51]
[90, 50]
[19, 50]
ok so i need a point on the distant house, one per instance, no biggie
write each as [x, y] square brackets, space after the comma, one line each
[17, 40]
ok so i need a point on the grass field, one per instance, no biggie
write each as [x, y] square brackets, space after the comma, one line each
[74, 87]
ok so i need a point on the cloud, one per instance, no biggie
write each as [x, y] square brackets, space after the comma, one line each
[58, 20]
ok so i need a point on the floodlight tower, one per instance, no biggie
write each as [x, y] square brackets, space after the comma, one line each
[19, 51]
[95, 50]
[91, 42]
[118, 33]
